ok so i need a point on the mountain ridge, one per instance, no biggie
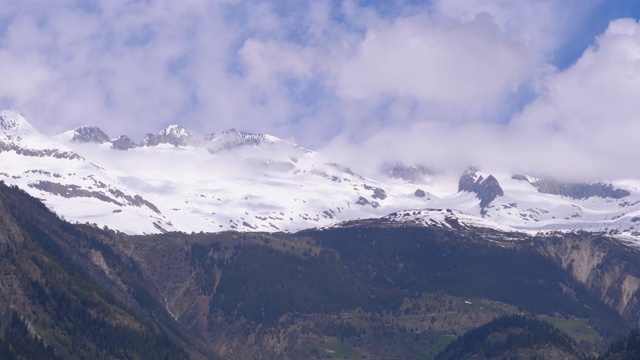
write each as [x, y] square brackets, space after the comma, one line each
[234, 180]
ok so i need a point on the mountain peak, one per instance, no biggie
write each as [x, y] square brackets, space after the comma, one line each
[173, 134]
[12, 122]
[174, 130]
[486, 189]
[89, 134]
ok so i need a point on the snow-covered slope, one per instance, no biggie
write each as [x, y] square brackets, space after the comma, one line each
[67, 182]
[175, 180]
[233, 180]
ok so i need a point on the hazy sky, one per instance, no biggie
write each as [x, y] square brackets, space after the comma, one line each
[545, 87]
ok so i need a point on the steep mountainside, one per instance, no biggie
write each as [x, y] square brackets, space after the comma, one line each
[75, 297]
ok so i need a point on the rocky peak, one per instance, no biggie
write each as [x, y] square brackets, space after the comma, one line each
[233, 138]
[89, 134]
[173, 134]
[468, 179]
[486, 189]
[123, 142]
[174, 130]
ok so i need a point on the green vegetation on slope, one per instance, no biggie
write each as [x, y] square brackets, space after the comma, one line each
[512, 336]
[63, 296]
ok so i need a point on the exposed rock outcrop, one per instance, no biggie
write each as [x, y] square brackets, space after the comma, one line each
[575, 190]
[604, 265]
[90, 134]
[123, 142]
[54, 153]
[486, 189]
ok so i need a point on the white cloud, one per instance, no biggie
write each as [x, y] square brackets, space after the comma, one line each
[26, 76]
[267, 60]
[594, 104]
[542, 26]
[111, 67]
[425, 83]
[464, 67]
[583, 126]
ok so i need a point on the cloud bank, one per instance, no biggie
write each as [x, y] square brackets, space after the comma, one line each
[444, 83]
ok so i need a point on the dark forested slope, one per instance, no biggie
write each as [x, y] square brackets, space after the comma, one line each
[73, 294]
[512, 337]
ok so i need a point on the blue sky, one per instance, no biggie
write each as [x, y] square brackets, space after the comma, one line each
[436, 82]
[595, 22]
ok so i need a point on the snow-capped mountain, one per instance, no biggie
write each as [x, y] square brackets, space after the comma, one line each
[174, 180]
[85, 134]
[173, 134]
[67, 182]
[177, 182]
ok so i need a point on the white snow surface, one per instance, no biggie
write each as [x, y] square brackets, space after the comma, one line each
[257, 182]
[175, 130]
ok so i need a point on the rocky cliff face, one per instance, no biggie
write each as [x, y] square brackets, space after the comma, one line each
[123, 142]
[486, 189]
[606, 266]
[90, 134]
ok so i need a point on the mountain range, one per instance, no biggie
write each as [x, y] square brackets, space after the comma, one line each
[315, 261]
[174, 180]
